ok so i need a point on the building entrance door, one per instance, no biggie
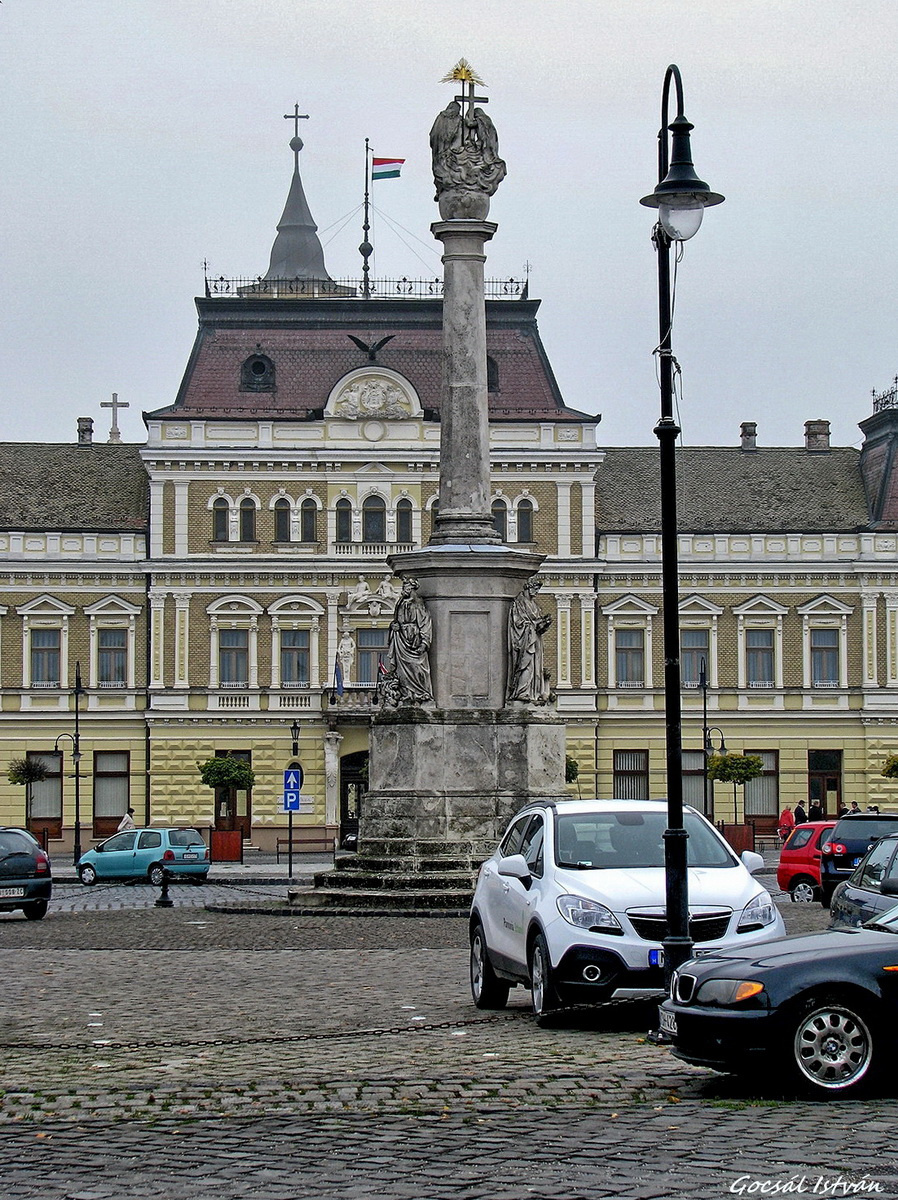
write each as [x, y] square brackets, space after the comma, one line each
[233, 807]
[825, 780]
[353, 785]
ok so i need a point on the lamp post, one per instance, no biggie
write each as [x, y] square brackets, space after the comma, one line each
[294, 734]
[75, 738]
[681, 198]
[708, 747]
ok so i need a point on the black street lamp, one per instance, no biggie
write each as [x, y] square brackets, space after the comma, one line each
[294, 734]
[681, 198]
[75, 738]
[708, 747]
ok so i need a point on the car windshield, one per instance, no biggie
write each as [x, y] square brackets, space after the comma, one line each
[185, 837]
[12, 842]
[886, 922]
[625, 839]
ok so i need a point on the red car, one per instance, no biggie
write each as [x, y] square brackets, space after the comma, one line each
[799, 868]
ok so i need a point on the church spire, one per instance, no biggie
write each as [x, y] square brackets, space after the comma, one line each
[297, 252]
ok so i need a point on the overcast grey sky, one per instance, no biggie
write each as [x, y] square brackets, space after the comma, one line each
[141, 137]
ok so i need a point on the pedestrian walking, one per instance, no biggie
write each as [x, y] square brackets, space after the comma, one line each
[800, 815]
[815, 812]
[127, 821]
[786, 823]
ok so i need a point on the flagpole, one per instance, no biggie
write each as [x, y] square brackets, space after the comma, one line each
[366, 249]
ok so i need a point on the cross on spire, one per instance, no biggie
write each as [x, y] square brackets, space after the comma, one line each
[296, 116]
[115, 404]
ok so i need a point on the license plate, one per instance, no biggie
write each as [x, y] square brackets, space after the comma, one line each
[188, 857]
[7, 893]
[667, 1021]
[656, 958]
[855, 861]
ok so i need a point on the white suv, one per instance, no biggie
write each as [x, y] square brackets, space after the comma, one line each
[572, 903]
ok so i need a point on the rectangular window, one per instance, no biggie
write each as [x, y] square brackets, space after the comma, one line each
[112, 657]
[45, 657]
[45, 810]
[294, 657]
[762, 794]
[824, 658]
[112, 790]
[694, 779]
[629, 657]
[631, 774]
[372, 646]
[759, 657]
[233, 657]
[694, 650]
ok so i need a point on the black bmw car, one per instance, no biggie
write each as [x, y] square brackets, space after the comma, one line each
[817, 1011]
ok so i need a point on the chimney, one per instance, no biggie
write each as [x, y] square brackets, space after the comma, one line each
[816, 435]
[85, 431]
[748, 431]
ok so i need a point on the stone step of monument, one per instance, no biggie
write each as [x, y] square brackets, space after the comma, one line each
[336, 900]
[395, 881]
[428, 866]
[404, 848]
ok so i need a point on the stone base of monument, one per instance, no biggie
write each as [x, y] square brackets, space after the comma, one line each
[444, 785]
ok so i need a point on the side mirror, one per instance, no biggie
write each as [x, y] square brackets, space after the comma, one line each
[889, 886]
[516, 867]
[753, 862]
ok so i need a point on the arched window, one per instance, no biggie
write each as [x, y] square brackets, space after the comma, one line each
[282, 520]
[374, 520]
[247, 520]
[525, 521]
[404, 521]
[220, 509]
[500, 518]
[344, 521]
[309, 520]
[257, 374]
[492, 375]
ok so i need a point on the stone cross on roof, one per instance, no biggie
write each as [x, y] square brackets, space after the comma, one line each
[115, 404]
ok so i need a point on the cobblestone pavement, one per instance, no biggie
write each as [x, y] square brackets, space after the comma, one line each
[177, 1053]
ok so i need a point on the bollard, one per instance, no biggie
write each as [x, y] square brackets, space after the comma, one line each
[163, 901]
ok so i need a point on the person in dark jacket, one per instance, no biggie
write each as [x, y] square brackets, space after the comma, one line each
[800, 814]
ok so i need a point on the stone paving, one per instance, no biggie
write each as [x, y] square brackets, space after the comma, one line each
[181, 1053]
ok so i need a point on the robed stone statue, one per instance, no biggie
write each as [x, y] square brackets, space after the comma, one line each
[407, 680]
[528, 680]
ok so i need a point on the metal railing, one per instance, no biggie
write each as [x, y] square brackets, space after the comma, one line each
[378, 289]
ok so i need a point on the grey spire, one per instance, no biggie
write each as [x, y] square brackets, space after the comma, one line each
[297, 252]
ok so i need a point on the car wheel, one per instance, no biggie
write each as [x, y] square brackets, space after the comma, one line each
[544, 997]
[803, 890]
[156, 875]
[486, 989]
[36, 911]
[87, 875]
[834, 1046]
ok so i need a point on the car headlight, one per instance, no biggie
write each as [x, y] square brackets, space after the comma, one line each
[588, 914]
[727, 991]
[757, 913]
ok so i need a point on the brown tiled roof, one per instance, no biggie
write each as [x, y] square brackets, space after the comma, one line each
[308, 342]
[723, 489]
[96, 488]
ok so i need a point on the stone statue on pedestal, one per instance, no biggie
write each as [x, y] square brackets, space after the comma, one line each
[411, 631]
[528, 680]
[467, 168]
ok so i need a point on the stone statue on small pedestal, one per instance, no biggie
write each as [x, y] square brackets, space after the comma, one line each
[467, 168]
[528, 680]
[407, 680]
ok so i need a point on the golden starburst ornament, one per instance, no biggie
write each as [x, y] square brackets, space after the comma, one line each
[464, 72]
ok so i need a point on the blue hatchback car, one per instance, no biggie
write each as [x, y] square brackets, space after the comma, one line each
[145, 855]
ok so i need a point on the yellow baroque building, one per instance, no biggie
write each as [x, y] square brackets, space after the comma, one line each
[223, 586]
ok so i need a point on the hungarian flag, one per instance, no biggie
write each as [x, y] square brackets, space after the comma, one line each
[338, 676]
[386, 168]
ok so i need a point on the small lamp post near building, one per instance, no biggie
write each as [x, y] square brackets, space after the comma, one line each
[708, 747]
[77, 693]
[681, 199]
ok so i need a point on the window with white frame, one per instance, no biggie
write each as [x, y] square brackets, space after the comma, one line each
[308, 520]
[45, 657]
[762, 793]
[45, 800]
[295, 646]
[760, 658]
[282, 520]
[374, 519]
[404, 521]
[693, 768]
[525, 521]
[233, 657]
[631, 774]
[824, 646]
[343, 511]
[112, 789]
[112, 657]
[221, 510]
[247, 520]
[372, 649]
[695, 650]
[629, 657]
[500, 518]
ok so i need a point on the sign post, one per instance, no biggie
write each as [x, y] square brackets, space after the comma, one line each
[292, 788]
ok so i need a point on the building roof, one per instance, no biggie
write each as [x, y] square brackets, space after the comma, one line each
[728, 490]
[308, 342]
[97, 488]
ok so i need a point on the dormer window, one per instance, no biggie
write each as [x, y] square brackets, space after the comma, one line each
[257, 374]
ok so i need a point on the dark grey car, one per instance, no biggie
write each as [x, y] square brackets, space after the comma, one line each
[25, 879]
[872, 887]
